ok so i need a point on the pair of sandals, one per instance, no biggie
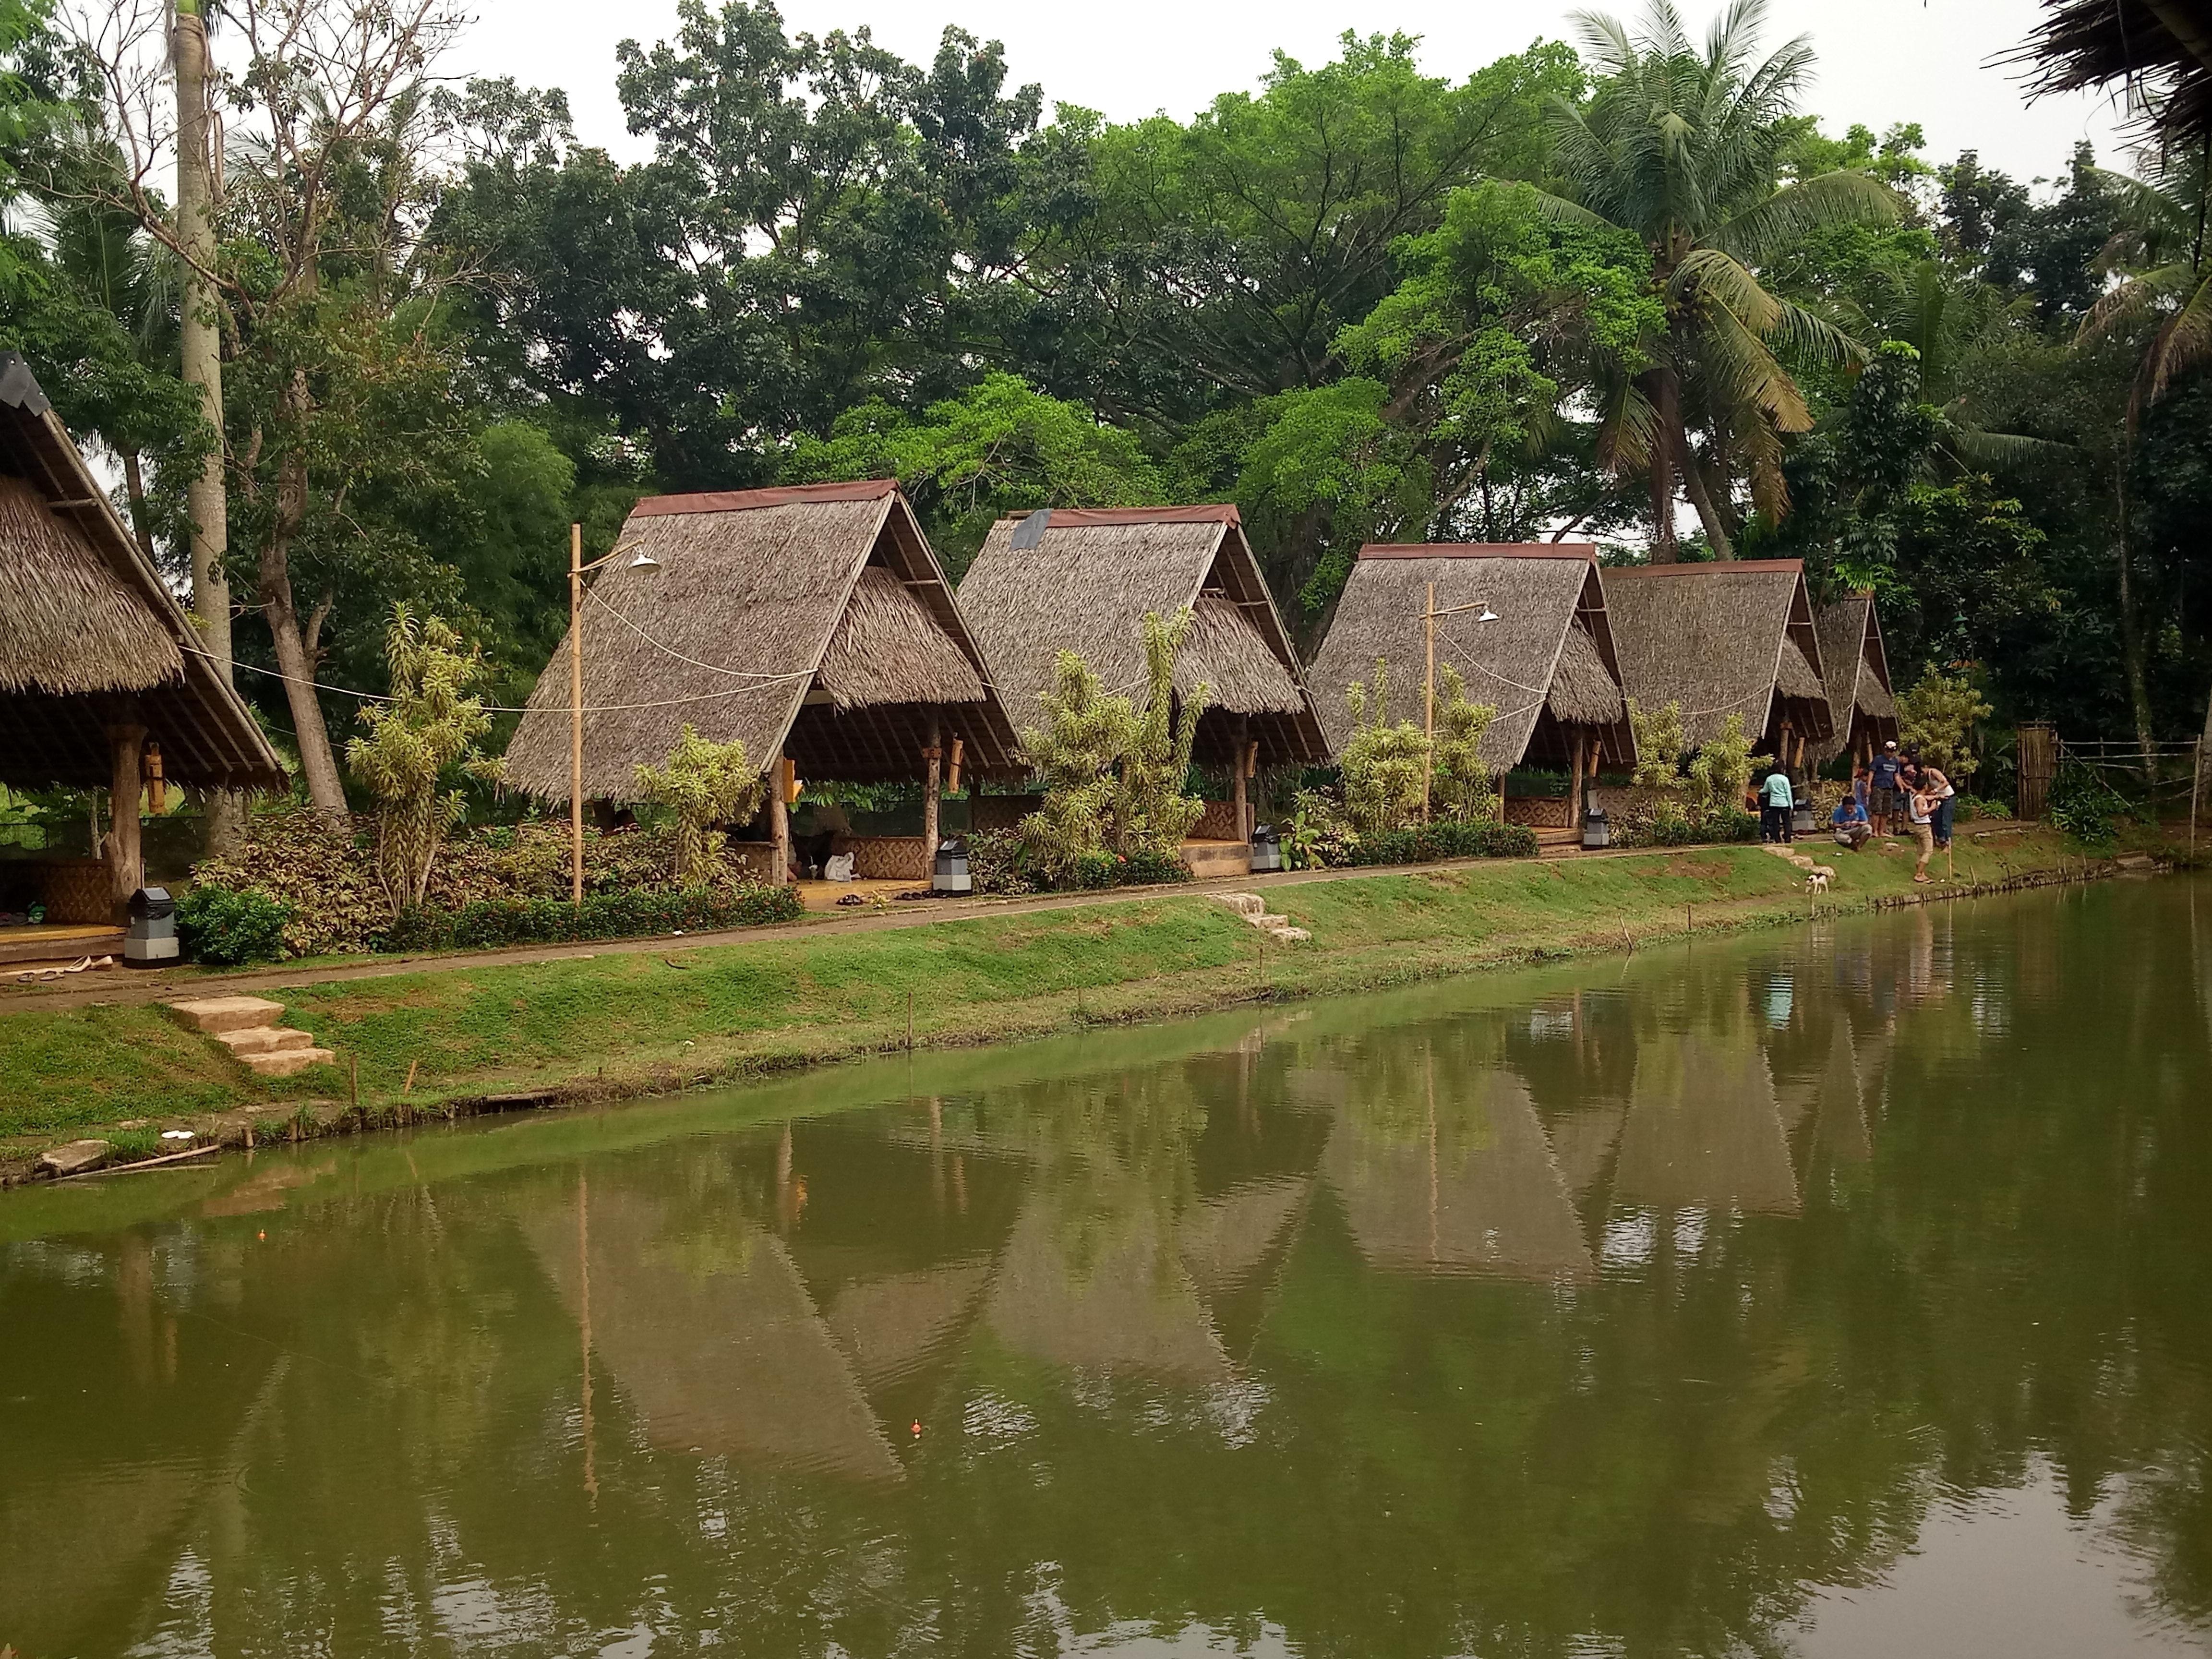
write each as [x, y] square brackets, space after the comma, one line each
[47, 976]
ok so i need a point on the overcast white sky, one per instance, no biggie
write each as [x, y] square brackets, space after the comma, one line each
[1880, 60]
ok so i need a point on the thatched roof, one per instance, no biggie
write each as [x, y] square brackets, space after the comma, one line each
[90, 634]
[1860, 700]
[1719, 640]
[1086, 586]
[2165, 46]
[812, 621]
[1546, 663]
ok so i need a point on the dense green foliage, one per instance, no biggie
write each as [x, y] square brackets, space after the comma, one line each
[225, 927]
[1555, 295]
[489, 924]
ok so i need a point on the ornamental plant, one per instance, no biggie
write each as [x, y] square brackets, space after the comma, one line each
[1659, 744]
[1074, 755]
[428, 731]
[1937, 716]
[1462, 791]
[704, 784]
[1151, 813]
[1384, 766]
[1721, 774]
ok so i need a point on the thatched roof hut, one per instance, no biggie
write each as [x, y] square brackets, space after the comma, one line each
[1547, 663]
[92, 640]
[1862, 703]
[1732, 638]
[813, 623]
[1086, 585]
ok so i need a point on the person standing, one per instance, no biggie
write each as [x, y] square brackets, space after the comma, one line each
[1938, 788]
[1921, 810]
[1780, 801]
[1883, 776]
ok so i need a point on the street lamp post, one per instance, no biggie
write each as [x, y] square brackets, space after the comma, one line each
[1429, 699]
[577, 571]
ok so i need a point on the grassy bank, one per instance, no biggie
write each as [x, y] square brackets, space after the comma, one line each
[635, 1023]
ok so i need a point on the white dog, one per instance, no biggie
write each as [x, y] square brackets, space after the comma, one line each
[1817, 882]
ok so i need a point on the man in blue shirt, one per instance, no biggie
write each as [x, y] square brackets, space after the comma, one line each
[1780, 803]
[1883, 807]
[1848, 820]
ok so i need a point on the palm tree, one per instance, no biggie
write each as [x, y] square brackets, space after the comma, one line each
[1684, 148]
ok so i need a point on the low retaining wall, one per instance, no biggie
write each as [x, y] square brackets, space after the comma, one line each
[887, 858]
[1540, 811]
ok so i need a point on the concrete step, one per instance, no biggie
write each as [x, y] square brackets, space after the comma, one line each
[286, 1062]
[264, 1040]
[217, 1015]
[1287, 934]
[1247, 905]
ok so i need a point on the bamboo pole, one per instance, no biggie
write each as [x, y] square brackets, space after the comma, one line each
[932, 754]
[576, 715]
[1428, 703]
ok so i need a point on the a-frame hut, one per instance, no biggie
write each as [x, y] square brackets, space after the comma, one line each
[103, 679]
[1730, 638]
[1861, 702]
[1546, 663]
[813, 623]
[1085, 582]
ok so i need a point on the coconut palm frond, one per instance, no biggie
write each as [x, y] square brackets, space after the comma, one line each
[2140, 292]
[1607, 39]
[1760, 445]
[2016, 450]
[1841, 197]
[2186, 343]
[1709, 273]
[1738, 367]
[1560, 211]
[1807, 334]
[1627, 428]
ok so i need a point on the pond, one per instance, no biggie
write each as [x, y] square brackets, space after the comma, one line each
[1837, 1292]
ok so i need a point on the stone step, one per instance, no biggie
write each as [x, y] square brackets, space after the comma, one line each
[1244, 904]
[217, 1015]
[1287, 934]
[264, 1040]
[286, 1062]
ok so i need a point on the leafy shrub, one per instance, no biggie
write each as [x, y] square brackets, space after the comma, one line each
[2084, 805]
[226, 927]
[704, 783]
[1936, 719]
[1386, 767]
[1426, 843]
[995, 863]
[322, 871]
[1147, 867]
[490, 924]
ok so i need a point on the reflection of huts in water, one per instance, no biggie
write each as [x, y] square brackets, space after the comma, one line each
[1090, 1281]
[812, 623]
[892, 1326]
[710, 1336]
[1476, 1191]
[1855, 667]
[1085, 584]
[1222, 1240]
[1583, 1143]
[1704, 1131]
[1839, 1124]
[1733, 638]
[1546, 663]
[103, 681]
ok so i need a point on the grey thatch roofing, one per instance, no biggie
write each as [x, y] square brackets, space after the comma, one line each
[1860, 697]
[90, 634]
[1715, 638]
[811, 621]
[1548, 658]
[1086, 586]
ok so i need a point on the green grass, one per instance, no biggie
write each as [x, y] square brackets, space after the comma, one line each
[633, 1021]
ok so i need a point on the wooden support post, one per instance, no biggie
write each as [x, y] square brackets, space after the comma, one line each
[1428, 702]
[1237, 792]
[779, 821]
[576, 715]
[930, 756]
[1574, 786]
[126, 862]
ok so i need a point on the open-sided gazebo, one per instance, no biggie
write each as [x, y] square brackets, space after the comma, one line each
[1861, 702]
[103, 680]
[1731, 638]
[1546, 663]
[813, 624]
[1085, 584]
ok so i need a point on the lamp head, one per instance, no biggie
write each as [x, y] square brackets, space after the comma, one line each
[644, 561]
[1488, 615]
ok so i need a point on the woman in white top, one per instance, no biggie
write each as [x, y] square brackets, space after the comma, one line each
[1920, 807]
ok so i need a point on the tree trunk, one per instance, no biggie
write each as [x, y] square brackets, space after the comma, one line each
[2131, 644]
[297, 640]
[1667, 403]
[206, 498]
[1693, 482]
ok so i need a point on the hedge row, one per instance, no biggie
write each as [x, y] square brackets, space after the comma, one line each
[491, 923]
[1426, 843]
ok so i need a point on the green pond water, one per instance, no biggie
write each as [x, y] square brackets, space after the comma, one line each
[1845, 1291]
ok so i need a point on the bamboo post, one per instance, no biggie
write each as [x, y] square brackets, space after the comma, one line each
[1237, 790]
[931, 754]
[1428, 702]
[1574, 788]
[2195, 787]
[576, 715]
[779, 821]
[126, 858]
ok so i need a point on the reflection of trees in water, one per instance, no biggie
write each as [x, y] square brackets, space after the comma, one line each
[1182, 1351]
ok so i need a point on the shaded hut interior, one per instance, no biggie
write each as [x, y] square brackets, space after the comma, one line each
[1861, 702]
[1733, 638]
[1086, 585]
[103, 683]
[1548, 663]
[813, 624]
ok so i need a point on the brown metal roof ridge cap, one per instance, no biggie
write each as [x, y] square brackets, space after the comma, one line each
[742, 501]
[1585, 551]
[1081, 518]
[1706, 567]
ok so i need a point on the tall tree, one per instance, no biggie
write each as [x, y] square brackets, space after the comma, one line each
[1684, 148]
[207, 498]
